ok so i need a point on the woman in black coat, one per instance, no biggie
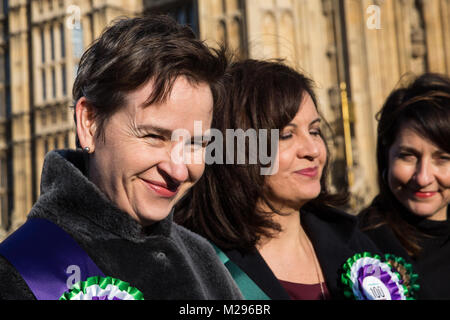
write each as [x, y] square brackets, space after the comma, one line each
[409, 216]
[270, 216]
[102, 227]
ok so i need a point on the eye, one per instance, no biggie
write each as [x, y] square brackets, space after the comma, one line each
[444, 158]
[316, 132]
[154, 137]
[286, 136]
[196, 145]
[406, 156]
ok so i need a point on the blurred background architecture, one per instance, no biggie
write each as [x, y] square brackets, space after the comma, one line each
[355, 50]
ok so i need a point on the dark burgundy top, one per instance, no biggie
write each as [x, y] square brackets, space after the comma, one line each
[300, 291]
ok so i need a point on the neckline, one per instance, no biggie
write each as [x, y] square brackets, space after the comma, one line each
[429, 227]
[303, 291]
[303, 284]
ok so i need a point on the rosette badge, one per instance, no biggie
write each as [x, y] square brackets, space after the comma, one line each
[102, 288]
[370, 277]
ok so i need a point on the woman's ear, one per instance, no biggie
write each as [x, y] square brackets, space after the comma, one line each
[85, 124]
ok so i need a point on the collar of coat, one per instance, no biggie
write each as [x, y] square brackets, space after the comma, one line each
[335, 237]
[68, 195]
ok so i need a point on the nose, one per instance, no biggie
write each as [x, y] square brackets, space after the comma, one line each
[424, 173]
[174, 167]
[307, 147]
[173, 172]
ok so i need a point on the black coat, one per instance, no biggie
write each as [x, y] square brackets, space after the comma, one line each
[164, 261]
[433, 263]
[335, 238]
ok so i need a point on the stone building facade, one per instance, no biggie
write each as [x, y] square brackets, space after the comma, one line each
[355, 50]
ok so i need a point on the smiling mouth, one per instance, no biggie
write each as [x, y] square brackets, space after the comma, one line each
[424, 195]
[308, 172]
[162, 189]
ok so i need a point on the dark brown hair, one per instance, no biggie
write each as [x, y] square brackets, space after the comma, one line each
[423, 105]
[133, 51]
[223, 205]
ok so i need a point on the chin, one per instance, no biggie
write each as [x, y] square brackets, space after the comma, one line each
[305, 198]
[311, 195]
[149, 217]
[423, 210]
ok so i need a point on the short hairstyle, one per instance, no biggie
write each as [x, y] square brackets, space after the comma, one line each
[424, 105]
[133, 51]
[223, 205]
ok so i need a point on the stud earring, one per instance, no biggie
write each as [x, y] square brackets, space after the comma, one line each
[87, 149]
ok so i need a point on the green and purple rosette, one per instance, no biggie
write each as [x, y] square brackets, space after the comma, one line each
[368, 276]
[102, 288]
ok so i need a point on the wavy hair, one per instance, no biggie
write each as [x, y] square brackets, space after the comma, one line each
[223, 205]
[424, 105]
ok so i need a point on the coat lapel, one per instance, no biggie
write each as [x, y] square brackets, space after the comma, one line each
[331, 233]
[257, 269]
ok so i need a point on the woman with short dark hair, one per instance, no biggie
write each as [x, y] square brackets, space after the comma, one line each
[277, 233]
[410, 214]
[102, 227]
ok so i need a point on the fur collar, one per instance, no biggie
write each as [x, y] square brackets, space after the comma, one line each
[70, 199]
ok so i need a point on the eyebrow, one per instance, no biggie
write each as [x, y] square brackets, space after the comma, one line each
[168, 133]
[291, 124]
[407, 149]
[159, 130]
[416, 152]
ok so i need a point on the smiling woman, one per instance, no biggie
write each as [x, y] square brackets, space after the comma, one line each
[410, 215]
[278, 234]
[300, 139]
[147, 185]
[419, 175]
[105, 210]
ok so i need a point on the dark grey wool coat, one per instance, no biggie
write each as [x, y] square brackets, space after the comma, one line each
[164, 261]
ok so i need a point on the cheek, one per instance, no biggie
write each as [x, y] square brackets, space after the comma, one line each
[444, 183]
[273, 181]
[446, 195]
[195, 172]
[443, 177]
[147, 159]
[285, 159]
[400, 173]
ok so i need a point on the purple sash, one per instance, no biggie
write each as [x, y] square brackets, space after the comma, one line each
[46, 257]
